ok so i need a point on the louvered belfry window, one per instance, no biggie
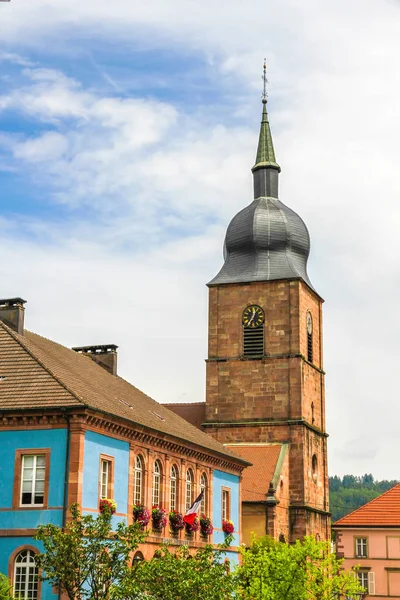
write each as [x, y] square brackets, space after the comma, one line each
[309, 338]
[253, 331]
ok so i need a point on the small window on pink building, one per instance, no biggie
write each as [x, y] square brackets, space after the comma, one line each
[367, 580]
[361, 547]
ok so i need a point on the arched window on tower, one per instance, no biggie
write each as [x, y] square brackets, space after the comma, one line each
[156, 490]
[253, 331]
[26, 574]
[138, 481]
[173, 498]
[203, 488]
[309, 338]
[189, 489]
[314, 468]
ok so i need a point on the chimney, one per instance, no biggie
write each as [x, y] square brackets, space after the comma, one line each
[12, 313]
[105, 356]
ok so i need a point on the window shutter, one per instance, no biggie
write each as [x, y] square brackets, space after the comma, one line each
[371, 583]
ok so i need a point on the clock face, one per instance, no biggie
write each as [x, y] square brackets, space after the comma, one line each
[253, 316]
[309, 323]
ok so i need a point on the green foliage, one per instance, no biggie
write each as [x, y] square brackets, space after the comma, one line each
[305, 570]
[5, 588]
[351, 492]
[176, 575]
[86, 557]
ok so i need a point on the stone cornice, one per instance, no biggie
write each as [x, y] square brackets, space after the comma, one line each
[83, 418]
[261, 422]
[264, 357]
[142, 436]
[309, 508]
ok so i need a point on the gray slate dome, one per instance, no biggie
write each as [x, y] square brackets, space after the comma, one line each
[266, 240]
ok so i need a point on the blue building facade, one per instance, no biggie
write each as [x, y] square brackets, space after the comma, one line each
[57, 447]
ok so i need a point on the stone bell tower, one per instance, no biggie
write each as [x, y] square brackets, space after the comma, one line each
[265, 378]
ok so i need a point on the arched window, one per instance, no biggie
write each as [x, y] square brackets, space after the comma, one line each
[189, 489]
[253, 331]
[314, 467]
[156, 491]
[26, 576]
[203, 488]
[137, 558]
[138, 481]
[173, 497]
[309, 338]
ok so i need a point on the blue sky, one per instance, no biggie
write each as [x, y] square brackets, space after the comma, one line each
[127, 135]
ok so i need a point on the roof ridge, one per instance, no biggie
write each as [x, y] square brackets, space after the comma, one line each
[19, 340]
[166, 404]
[360, 508]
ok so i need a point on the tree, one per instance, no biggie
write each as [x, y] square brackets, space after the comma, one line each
[306, 570]
[175, 574]
[86, 557]
[5, 588]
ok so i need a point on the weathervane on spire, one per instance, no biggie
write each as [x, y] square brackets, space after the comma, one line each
[265, 81]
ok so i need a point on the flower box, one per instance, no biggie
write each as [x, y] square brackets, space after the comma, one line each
[206, 526]
[107, 505]
[191, 528]
[158, 518]
[141, 515]
[228, 526]
[176, 521]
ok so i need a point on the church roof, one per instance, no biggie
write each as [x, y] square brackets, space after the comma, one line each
[266, 240]
[383, 511]
[265, 150]
[267, 460]
[37, 373]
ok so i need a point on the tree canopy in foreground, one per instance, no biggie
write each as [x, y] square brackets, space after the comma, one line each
[306, 570]
[88, 560]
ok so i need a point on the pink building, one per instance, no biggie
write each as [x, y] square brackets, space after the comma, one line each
[370, 537]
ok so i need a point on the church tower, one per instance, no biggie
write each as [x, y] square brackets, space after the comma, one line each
[265, 378]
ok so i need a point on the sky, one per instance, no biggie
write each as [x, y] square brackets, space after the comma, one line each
[127, 135]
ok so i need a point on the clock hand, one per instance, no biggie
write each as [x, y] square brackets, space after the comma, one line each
[252, 316]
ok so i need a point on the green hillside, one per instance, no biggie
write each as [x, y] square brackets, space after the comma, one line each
[350, 492]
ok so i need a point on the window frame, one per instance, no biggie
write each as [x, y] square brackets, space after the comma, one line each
[253, 336]
[106, 458]
[173, 494]
[191, 490]
[12, 567]
[136, 470]
[17, 491]
[369, 578]
[225, 506]
[310, 337]
[356, 539]
[156, 477]
[204, 486]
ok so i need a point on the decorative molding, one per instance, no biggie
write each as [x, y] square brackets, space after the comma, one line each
[262, 422]
[32, 421]
[82, 419]
[293, 507]
[242, 358]
[141, 437]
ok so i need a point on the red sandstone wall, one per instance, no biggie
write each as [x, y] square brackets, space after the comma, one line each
[260, 399]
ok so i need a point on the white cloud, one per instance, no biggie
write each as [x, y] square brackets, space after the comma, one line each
[149, 170]
[46, 147]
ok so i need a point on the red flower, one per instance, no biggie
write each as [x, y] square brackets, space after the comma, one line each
[228, 526]
[141, 514]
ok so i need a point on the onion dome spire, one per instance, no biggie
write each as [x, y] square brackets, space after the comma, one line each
[265, 241]
[266, 169]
